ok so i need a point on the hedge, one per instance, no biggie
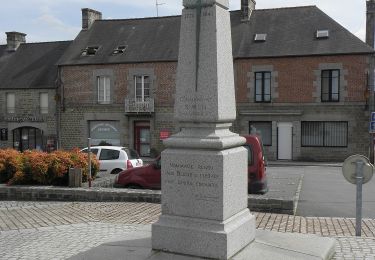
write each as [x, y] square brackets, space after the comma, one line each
[40, 168]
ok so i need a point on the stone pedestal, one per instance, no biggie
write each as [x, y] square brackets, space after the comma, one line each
[204, 203]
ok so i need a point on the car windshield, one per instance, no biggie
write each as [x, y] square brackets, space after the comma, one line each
[249, 149]
[93, 150]
[132, 154]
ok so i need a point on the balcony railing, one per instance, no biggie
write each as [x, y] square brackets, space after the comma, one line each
[133, 105]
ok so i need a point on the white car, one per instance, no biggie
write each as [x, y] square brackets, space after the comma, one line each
[114, 159]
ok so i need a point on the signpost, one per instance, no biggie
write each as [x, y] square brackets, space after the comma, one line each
[358, 170]
[89, 153]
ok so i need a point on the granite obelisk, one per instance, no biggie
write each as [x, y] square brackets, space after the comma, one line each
[204, 168]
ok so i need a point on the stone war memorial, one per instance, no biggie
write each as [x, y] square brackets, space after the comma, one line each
[205, 211]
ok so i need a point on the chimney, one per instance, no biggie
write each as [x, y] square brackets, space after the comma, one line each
[370, 22]
[14, 39]
[89, 16]
[247, 7]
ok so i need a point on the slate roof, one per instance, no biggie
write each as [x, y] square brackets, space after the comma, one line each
[32, 66]
[290, 32]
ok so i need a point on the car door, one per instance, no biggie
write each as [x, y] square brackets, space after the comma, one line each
[108, 159]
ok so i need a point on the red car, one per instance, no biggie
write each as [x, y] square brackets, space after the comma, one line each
[144, 177]
[149, 176]
[257, 178]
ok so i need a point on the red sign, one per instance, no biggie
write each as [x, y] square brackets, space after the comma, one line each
[164, 134]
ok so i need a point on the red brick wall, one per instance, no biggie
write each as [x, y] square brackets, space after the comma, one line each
[296, 76]
[79, 88]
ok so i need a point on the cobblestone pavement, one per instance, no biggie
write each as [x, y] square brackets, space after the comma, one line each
[57, 230]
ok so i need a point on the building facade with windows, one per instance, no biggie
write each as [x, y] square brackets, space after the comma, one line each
[302, 86]
[27, 93]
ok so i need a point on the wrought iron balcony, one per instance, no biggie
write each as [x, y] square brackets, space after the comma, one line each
[133, 105]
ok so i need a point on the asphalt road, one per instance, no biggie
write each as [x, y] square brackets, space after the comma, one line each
[325, 193]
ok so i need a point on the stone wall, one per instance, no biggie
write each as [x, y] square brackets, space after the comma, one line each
[27, 113]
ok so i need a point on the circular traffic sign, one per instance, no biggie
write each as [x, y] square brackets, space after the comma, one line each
[350, 165]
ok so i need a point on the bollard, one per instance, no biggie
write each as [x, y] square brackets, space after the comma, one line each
[75, 177]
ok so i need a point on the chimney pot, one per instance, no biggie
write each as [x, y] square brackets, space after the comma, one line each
[247, 7]
[14, 40]
[89, 16]
[370, 22]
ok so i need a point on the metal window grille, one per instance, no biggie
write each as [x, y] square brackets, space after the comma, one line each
[324, 134]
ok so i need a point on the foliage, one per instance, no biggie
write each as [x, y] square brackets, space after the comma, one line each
[35, 167]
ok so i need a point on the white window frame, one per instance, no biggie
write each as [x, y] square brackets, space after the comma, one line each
[143, 98]
[106, 89]
[11, 103]
[43, 109]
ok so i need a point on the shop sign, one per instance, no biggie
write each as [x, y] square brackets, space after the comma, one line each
[22, 119]
[164, 134]
[3, 134]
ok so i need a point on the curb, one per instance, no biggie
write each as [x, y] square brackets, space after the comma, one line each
[260, 203]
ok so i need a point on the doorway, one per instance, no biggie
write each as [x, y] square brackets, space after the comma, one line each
[28, 138]
[284, 141]
[142, 138]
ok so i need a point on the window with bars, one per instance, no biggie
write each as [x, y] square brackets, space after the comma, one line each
[264, 130]
[43, 101]
[142, 87]
[104, 89]
[330, 85]
[263, 86]
[324, 134]
[11, 103]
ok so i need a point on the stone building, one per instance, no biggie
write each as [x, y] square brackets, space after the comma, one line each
[301, 85]
[27, 93]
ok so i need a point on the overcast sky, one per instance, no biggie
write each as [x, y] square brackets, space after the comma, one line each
[54, 20]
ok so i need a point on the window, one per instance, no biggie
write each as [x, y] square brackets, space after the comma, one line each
[260, 37]
[132, 154]
[322, 34]
[262, 86]
[324, 134]
[93, 150]
[330, 85]
[104, 89]
[142, 88]
[120, 49]
[28, 138]
[108, 154]
[90, 51]
[43, 101]
[264, 130]
[11, 103]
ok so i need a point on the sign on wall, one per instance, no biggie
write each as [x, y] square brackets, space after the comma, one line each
[105, 133]
[164, 134]
[3, 134]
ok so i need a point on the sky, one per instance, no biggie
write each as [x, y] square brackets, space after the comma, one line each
[59, 20]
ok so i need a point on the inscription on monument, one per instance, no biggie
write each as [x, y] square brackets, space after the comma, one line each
[196, 106]
[195, 177]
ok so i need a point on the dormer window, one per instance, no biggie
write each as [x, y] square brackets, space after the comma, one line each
[90, 51]
[120, 50]
[322, 34]
[260, 37]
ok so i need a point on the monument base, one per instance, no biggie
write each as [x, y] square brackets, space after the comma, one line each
[202, 237]
[268, 245]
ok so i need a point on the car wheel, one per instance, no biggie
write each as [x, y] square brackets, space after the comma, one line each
[133, 186]
[116, 171]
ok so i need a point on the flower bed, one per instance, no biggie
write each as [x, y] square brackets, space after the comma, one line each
[40, 168]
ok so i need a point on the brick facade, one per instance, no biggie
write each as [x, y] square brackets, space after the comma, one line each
[295, 88]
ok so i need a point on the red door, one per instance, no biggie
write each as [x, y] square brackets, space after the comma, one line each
[142, 138]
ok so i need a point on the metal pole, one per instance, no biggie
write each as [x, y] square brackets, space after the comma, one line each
[359, 177]
[89, 153]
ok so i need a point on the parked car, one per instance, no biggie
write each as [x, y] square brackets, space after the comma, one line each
[149, 176]
[146, 177]
[114, 159]
[256, 169]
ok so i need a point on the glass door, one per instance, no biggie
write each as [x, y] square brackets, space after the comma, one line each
[142, 139]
